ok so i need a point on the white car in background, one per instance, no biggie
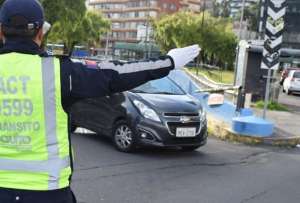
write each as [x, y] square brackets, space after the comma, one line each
[292, 82]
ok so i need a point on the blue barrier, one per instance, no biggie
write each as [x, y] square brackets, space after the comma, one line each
[242, 123]
[252, 126]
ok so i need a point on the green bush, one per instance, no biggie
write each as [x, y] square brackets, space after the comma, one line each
[273, 106]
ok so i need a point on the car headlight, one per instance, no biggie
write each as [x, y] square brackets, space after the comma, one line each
[146, 111]
[202, 114]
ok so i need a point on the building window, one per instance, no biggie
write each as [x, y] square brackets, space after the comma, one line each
[116, 25]
[173, 7]
[142, 14]
[131, 35]
[153, 3]
[153, 14]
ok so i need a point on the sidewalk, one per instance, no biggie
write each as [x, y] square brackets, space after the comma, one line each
[287, 124]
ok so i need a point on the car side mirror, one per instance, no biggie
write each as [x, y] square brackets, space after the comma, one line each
[216, 99]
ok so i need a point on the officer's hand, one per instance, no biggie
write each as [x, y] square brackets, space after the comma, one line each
[183, 56]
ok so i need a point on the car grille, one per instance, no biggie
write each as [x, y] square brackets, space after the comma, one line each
[172, 126]
[180, 114]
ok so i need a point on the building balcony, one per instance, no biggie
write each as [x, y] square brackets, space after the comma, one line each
[111, 39]
[139, 19]
[131, 9]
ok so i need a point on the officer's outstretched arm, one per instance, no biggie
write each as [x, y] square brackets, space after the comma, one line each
[112, 77]
[135, 74]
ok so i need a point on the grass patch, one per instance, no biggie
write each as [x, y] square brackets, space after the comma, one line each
[273, 106]
[216, 75]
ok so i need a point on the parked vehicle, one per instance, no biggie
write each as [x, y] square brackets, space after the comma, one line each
[292, 82]
[158, 113]
[285, 73]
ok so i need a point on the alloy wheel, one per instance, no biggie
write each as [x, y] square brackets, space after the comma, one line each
[123, 137]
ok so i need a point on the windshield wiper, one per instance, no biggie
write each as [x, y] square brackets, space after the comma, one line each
[168, 93]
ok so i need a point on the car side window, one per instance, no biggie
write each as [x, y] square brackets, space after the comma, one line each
[297, 75]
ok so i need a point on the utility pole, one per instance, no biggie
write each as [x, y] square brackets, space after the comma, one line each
[202, 26]
[107, 42]
[149, 33]
[242, 19]
[106, 46]
[203, 11]
[147, 30]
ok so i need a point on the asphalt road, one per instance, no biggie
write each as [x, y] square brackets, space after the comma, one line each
[217, 173]
[291, 101]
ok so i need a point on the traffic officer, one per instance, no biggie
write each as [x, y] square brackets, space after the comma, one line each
[36, 93]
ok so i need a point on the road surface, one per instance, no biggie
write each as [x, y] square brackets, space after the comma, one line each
[291, 101]
[217, 173]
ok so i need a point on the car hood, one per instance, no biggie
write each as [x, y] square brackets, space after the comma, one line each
[171, 103]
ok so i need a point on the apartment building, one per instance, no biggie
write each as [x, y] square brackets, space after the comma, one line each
[292, 21]
[130, 18]
[128, 15]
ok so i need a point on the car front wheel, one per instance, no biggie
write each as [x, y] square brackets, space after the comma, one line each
[124, 137]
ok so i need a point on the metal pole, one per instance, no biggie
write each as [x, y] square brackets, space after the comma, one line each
[241, 20]
[202, 26]
[147, 31]
[203, 11]
[267, 96]
[107, 42]
[106, 46]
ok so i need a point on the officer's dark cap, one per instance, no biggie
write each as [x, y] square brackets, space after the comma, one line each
[21, 16]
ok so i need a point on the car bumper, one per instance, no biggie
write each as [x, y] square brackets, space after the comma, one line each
[156, 134]
[294, 89]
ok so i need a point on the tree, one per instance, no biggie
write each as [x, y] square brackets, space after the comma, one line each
[215, 37]
[86, 31]
[72, 23]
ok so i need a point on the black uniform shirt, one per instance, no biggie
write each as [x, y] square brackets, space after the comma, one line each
[79, 80]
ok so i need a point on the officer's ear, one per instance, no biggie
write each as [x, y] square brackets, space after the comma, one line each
[1, 35]
[39, 37]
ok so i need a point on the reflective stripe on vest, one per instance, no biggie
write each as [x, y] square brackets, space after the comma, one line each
[56, 161]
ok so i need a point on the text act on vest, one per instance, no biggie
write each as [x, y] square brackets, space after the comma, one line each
[14, 85]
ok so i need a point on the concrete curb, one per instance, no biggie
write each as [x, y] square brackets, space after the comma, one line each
[222, 131]
[210, 85]
[213, 82]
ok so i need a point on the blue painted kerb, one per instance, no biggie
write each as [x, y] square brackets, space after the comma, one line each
[242, 123]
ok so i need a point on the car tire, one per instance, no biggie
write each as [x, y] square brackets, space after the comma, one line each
[288, 92]
[190, 148]
[124, 137]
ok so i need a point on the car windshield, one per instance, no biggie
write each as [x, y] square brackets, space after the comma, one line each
[297, 74]
[160, 86]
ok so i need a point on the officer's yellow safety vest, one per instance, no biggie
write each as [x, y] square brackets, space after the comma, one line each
[34, 145]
